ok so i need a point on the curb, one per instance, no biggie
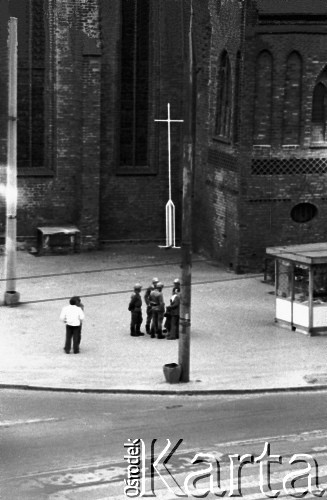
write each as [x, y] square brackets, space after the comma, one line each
[213, 392]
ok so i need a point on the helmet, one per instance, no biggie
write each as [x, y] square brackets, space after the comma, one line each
[155, 280]
[176, 281]
[159, 284]
[137, 286]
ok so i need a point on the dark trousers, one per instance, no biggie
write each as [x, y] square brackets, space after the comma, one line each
[156, 325]
[148, 318]
[173, 332]
[79, 334]
[167, 321]
[136, 321]
[72, 332]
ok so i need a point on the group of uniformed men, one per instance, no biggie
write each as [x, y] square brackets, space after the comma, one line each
[155, 311]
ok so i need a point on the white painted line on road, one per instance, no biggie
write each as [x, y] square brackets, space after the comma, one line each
[301, 436]
[12, 423]
[67, 470]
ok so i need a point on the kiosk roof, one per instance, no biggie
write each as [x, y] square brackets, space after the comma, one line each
[310, 253]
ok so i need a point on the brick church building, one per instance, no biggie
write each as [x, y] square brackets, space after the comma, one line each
[94, 75]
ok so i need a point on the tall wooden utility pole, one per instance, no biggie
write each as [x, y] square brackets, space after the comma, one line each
[186, 244]
[11, 295]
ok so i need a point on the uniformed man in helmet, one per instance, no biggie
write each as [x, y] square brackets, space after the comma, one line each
[135, 307]
[158, 308]
[148, 306]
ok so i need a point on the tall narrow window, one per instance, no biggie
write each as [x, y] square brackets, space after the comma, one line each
[263, 98]
[292, 100]
[236, 117]
[134, 83]
[31, 82]
[318, 125]
[224, 98]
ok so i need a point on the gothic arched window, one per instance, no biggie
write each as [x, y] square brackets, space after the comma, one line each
[30, 82]
[292, 100]
[318, 119]
[263, 98]
[236, 117]
[134, 87]
[224, 98]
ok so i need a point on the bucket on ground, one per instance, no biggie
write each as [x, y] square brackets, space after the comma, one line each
[172, 373]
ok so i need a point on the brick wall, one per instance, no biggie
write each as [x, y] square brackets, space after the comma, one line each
[217, 165]
[132, 201]
[287, 170]
[65, 188]
[246, 186]
[81, 181]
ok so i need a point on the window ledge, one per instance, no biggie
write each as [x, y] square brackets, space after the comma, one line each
[34, 172]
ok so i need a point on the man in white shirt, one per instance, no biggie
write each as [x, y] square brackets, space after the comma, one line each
[73, 316]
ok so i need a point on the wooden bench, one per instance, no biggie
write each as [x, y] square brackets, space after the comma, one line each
[63, 239]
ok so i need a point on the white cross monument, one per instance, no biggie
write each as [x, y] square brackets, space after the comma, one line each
[170, 207]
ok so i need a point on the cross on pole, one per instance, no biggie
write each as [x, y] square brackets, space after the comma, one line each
[170, 207]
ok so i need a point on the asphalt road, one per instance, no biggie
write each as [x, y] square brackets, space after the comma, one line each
[66, 446]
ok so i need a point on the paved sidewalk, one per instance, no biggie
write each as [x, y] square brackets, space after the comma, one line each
[235, 345]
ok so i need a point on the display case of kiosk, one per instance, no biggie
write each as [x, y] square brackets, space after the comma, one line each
[301, 287]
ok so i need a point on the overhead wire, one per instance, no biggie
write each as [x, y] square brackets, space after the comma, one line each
[118, 292]
[102, 270]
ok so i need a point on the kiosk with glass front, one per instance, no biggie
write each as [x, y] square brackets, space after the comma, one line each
[301, 287]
